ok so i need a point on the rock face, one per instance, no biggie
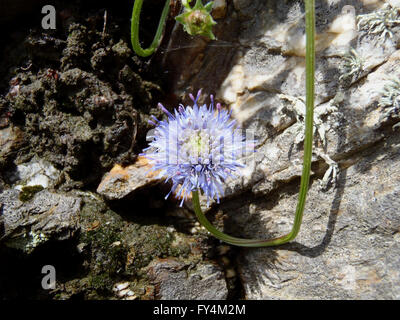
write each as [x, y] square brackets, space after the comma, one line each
[78, 103]
[10, 140]
[348, 247]
[31, 218]
[120, 182]
[140, 258]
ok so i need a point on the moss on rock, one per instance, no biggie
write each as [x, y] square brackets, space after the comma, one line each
[28, 192]
[116, 250]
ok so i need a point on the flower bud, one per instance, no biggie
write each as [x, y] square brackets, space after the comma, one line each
[197, 20]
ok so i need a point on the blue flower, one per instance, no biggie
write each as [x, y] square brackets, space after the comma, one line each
[196, 148]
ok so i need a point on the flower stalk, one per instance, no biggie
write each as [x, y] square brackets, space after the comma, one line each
[137, 7]
[308, 141]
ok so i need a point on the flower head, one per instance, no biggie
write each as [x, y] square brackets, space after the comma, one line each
[197, 148]
[197, 20]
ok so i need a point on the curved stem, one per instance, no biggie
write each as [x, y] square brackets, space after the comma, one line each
[305, 177]
[137, 7]
[229, 239]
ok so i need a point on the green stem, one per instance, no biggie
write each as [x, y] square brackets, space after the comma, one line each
[137, 7]
[308, 141]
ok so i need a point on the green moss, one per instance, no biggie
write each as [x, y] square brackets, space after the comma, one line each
[149, 242]
[101, 283]
[118, 249]
[28, 192]
[108, 253]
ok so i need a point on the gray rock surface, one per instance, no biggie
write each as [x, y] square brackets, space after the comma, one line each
[349, 244]
[26, 224]
[176, 281]
[10, 141]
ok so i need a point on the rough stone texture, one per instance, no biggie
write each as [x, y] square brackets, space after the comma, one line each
[176, 281]
[349, 245]
[265, 83]
[123, 182]
[219, 9]
[73, 102]
[46, 215]
[120, 182]
[128, 255]
[10, 140]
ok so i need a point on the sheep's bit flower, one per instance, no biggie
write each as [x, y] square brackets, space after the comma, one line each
[197, 148]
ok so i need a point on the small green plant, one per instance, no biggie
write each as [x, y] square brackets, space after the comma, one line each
[353, 65]
[28, 192]
[390, 100]
[380, 22]
[297, 106]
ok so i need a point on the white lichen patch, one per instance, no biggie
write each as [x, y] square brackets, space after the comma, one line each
[330, 176]
[297, 106]
[33, 240]
[34, 173]
[321, 127]
[380, 22]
